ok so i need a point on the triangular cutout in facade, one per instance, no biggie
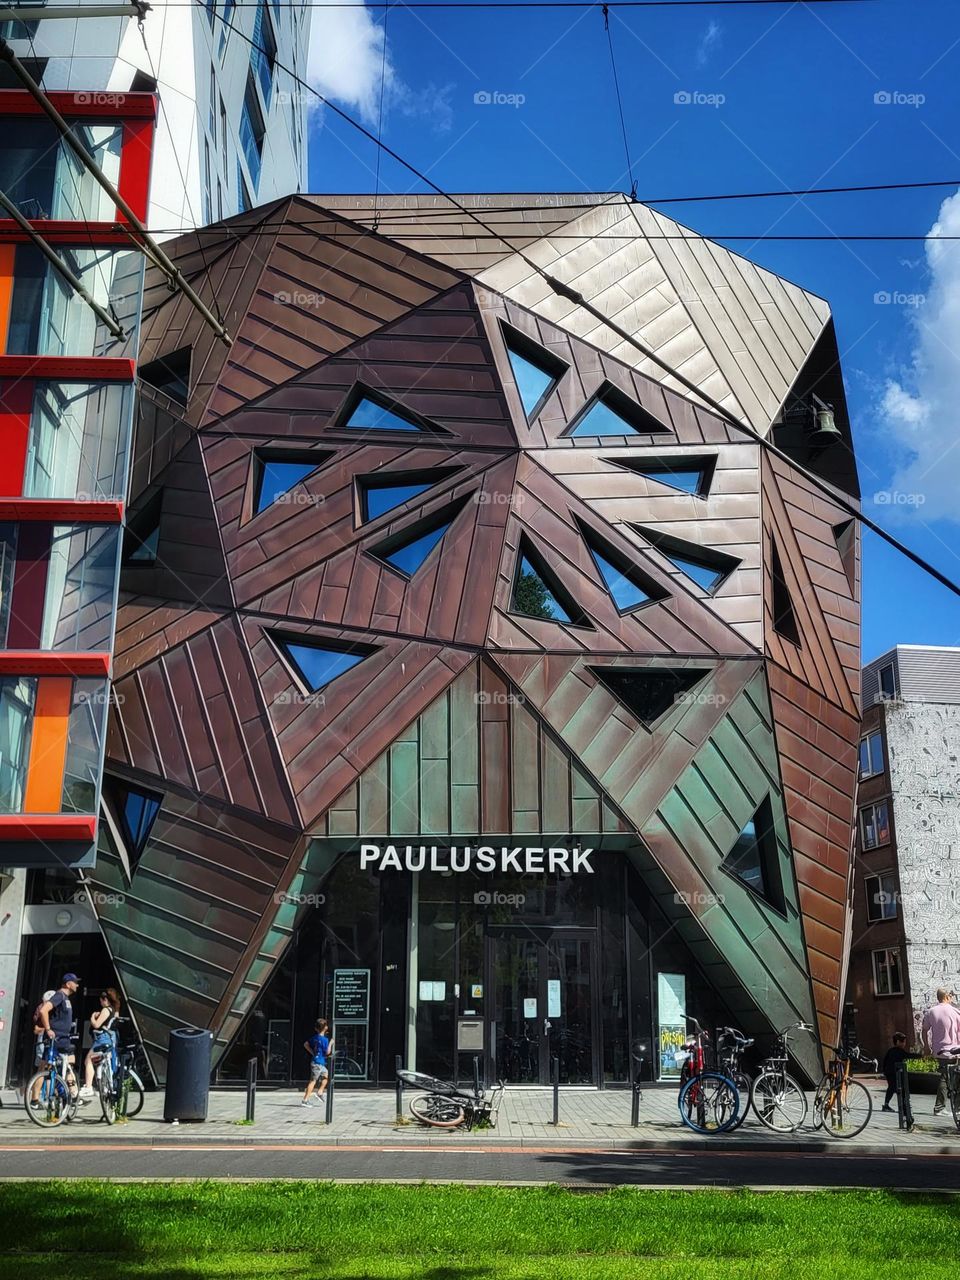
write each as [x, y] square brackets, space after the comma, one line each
[141, 539]
[692, 475]
[407, 550]
[650, 692]
[316, 664]
[706, 566]
[845, 534]
[538, 593]
[138, 812]
[628, 586]
[279, 471]
[386, 490]
[755, 860]
[368, 410]
[611, 413]
[784, 619]
[536, 370]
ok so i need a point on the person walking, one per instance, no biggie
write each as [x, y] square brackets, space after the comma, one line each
[319, 1046]
[940, 1031]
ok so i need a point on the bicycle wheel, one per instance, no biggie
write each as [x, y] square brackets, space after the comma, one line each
[108, 1099]
[53, 1097]
[437, 1110]
[742, 1081]
[709, 1103]
[847, 1110]
[779, 1102]
[131, 1104]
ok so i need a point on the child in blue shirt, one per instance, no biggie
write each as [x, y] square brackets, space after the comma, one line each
[319, 1047]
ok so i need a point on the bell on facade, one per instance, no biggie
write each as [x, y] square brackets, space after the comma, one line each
[826, 430]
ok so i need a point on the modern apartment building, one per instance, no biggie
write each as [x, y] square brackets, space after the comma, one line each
[231, 128]
[476, 682]
[906, 931]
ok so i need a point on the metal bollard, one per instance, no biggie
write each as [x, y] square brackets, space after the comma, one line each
[904, 1110]
[328, 1117]
[251, 1089]
[476, 1077]
[398, 1063]
[555, 1080]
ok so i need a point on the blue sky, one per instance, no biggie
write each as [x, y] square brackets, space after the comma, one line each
[794, 103]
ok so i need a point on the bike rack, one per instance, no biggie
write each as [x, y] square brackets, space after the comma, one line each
[328, 1117]
[251, 1089]
[398, 1064]
[904, 1110]
[555, 1081]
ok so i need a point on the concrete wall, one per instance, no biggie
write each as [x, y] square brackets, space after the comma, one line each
[923, 740]
[12, 894]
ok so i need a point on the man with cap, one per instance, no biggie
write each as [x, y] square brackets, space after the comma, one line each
[57, 1020]
[940, 1030]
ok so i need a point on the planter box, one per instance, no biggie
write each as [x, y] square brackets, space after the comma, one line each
[923, 1081]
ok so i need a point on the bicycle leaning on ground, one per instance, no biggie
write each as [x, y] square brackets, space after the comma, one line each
[444, 1105]
[842, 1106]
[777, 1098]
[52, 1093]
[116, 1082]
[709, 1102]
[731, 1046]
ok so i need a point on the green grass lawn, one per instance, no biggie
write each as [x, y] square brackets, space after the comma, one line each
[91, 1229]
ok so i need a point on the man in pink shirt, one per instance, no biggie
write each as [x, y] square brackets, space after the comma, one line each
[941, 1033]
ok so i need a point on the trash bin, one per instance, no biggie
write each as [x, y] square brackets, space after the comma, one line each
[188, 1074]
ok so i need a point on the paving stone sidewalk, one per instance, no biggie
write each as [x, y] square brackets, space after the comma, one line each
[588, 1118]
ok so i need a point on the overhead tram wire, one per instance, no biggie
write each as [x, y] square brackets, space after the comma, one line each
[616, 86]
[528, 4]
[570, 294]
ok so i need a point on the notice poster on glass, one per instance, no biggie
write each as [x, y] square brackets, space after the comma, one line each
[672, 1023]
[351, 1021]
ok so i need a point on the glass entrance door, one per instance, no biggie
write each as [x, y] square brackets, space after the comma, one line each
[543, 1001]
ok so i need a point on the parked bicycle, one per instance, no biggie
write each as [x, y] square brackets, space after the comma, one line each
[731, 1045]
[842, 1106]
[52, 1093]
[953, 1082]
[445, 1105]
[709, 1102]
[777, 1098]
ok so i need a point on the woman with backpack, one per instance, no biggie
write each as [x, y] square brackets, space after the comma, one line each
[104, 1036]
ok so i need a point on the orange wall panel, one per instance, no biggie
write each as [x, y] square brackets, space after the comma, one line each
[48, 746]
[7, 252]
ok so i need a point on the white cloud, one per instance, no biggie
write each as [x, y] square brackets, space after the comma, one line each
[920, 407]
[709, 42]
[345, 59]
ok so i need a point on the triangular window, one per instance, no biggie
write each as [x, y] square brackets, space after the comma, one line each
[755, 860]
[536, 370]
[141, 540]
[611, 413]
[538, 592]
[688, 475]
[381, 493]
[278, 472]
[628, 585]
[408, 550]
[846, 536]
[366, 410]
[169, 374]
[137, 812]
[315, 664]
[704, 565]
[652, 692]
[784, 619]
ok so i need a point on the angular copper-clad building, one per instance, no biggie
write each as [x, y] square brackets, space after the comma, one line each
[476, 683]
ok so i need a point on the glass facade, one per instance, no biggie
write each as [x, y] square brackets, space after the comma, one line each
[45, 179]
[78, 437]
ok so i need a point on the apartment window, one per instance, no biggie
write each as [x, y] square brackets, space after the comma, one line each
[887, 976]
[224, 139]
[207, 202]
[252, 129]
[887, 680]
[874, 825]
[871, 755]
[264, 52]
[881, 893]
[211, 8]
[212, 108]
[219, 201]
[226, 21]
[243, 193]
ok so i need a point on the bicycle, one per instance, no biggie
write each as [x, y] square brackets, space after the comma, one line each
[446, 1106]
[116, 1082]
[778, 1100]
[709, 1102]
[953, 1081]
[54, 1088]
[842, 1106]
[731, 1045]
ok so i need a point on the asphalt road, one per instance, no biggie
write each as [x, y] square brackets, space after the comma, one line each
[478, 1164]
